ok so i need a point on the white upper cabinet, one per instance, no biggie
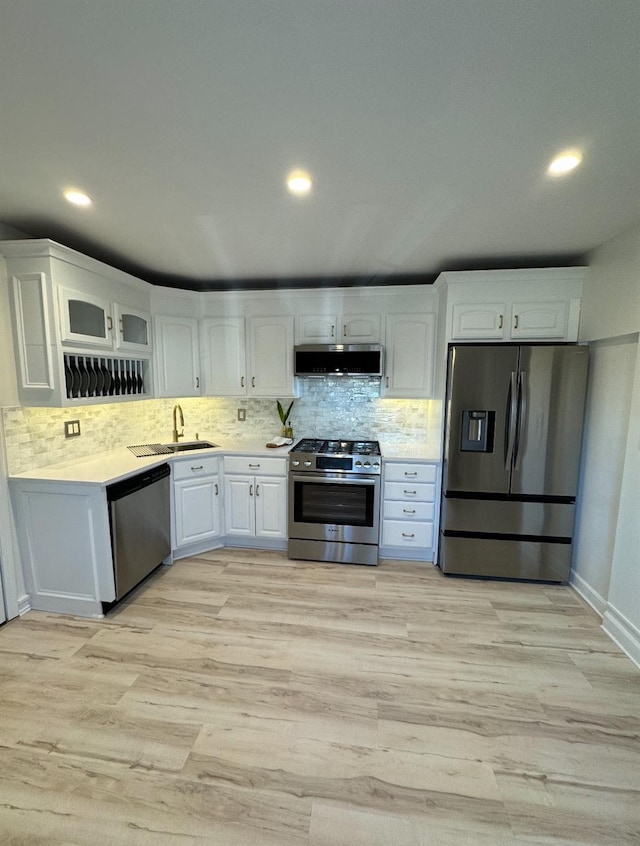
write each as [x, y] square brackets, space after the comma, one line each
[225, 368]
[250, 357]
[89, 321]
[410, 356]
[270, 343]
[177, 357]
[81, 329]
[335, 329]
[512, 305]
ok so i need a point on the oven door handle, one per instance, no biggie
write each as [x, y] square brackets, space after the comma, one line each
[312, 478]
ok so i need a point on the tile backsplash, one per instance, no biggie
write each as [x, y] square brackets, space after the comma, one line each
[348, 408]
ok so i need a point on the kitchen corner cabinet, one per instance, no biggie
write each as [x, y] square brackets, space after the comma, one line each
[409, 502]
[409, 356]
[81, 329]
[249, 358]
[197, 499]
[255, 501]
[177, 357]
[335, 329]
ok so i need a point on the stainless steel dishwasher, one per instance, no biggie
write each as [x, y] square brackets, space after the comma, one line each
[140, 520]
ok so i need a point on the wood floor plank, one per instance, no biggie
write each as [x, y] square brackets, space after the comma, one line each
[240, 698]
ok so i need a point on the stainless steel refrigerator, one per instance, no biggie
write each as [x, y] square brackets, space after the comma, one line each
[513, 432]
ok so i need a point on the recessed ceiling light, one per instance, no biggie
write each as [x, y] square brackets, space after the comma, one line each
[78, 198]
[565, 162]
[299, 182]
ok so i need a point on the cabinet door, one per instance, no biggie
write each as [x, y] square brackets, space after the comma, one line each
[410, 341]
[271, 356]
[239, 508]
[85, 320]
[197, 509]
[177, 357]
[316, 329]
[225, 367]
[133, 329]
[361, 328]
[540, 320]
[478, 321]
[271, 507]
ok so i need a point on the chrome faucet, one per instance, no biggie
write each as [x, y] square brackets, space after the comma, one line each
[176, 434]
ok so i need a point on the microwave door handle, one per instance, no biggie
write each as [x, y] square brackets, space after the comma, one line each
[512, 416]
[522, 412]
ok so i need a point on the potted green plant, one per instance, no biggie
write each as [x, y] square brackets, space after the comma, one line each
[287, 431]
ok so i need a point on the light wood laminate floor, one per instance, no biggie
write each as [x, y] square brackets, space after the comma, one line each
[241, 698]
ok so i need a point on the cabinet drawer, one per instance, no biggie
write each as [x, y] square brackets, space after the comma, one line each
[408, 510]
[403, 533]
[410, 472]
[194, 467]
[410, 491]
[257, 465]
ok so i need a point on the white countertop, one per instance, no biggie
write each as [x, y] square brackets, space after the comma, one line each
[116, 464]
[113, 465]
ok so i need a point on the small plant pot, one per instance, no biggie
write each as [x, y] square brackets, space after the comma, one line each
[287, 432]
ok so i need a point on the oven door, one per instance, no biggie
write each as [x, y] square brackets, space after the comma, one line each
[334, 507]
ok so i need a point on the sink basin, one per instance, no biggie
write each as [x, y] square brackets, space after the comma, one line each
[187, 446]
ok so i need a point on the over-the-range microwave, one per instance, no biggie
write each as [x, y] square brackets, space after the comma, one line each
[339, 360]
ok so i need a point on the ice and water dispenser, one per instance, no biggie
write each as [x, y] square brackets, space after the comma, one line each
[478, 427]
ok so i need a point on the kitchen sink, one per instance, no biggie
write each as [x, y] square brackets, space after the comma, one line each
[187, 446]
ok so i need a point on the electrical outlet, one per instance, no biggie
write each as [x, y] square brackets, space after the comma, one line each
[242, 414]
[71, 428]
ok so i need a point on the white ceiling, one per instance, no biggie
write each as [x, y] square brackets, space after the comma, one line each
[427, 127]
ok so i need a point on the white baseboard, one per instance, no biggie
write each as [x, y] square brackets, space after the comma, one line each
[623, 632]
[24, 604]
[590, 596]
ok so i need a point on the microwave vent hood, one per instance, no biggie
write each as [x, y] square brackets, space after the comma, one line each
[338, 360]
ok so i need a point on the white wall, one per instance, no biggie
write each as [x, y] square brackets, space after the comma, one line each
[607, 552]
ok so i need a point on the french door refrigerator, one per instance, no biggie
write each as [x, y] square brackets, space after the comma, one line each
[513, 431]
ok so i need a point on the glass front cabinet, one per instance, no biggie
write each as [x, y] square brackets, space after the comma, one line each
[86, 320]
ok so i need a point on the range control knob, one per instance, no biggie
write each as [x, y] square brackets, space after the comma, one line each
[294, 462]
[358, 464]
[376, 464]
[367, 464]
[307, 464]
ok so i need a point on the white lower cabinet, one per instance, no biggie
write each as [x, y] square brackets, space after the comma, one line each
[255, 500]
[196, 497]
[409, 510]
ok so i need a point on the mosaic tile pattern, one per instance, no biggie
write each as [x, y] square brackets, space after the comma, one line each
[347, 408]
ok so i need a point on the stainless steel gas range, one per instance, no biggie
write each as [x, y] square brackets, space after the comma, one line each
[334, 500]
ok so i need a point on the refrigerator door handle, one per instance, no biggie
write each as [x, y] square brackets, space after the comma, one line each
[522, 413]
[512, 419]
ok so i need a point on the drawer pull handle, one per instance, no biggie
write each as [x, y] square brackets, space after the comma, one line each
[195, 469]
[410, 493]
[408, 511]
[408, 535]
[254, 465]
[414, 473]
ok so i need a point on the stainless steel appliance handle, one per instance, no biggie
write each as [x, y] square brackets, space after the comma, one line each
[511, 418]
[311, 478]
[522, 413]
